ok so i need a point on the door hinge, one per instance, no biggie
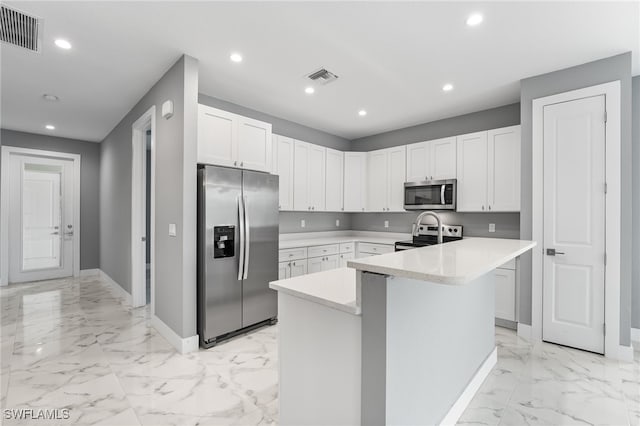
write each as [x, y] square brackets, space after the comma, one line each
[604, 329]
[605, 116]
[606, 187]
[605, 259]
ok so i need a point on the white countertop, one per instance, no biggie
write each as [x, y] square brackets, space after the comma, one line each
[452, 263]
[335, 288]
[288, 241]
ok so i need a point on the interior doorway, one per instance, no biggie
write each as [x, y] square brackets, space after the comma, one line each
[142, 210]
[41, 215]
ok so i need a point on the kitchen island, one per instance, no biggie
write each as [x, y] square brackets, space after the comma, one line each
[401, 338]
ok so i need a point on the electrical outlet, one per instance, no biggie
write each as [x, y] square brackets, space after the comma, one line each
[492, 227]
[386, 223]
[337, 223]
[302, 223]
[172, 230]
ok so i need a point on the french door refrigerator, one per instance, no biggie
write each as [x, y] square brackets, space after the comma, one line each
[237, 251]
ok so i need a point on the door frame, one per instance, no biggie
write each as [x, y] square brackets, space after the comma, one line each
[7, 153]
[611, 90]
[138, 208]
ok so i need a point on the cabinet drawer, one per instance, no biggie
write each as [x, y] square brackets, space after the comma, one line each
[292, 254]
[375, 248]
[509, 265]
[347, 247]
[327, 250]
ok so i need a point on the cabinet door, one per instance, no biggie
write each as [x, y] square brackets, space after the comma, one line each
[284, 167]
[298, 267]
[472, 172]
[316, 177]
[378, 180]
[355, 181]
[330, 262]
[301, 176]
[504, 169]
[314, 264]
[443, 159]
[505, 295]
[217, 136]
[343, 259]
[254, 144]
[418, 161]
[397, 170]
[334, 181]
[283, 270]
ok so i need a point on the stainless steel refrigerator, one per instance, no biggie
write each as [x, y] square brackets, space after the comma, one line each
[237, 251]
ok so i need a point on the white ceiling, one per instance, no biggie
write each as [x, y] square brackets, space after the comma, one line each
[392, 58]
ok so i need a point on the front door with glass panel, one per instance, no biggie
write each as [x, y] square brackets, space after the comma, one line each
[41, 228]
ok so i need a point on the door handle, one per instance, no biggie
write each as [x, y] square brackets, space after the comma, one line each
[55, 233]
[553, 252]
[241, 235]
[247, 232]
[442, 194]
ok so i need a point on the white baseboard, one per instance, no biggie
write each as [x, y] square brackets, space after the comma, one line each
[182, 345]
[524, 331]
[89, 272]
[467, 395]
[120, 292]
[625, 353]
[635, 335]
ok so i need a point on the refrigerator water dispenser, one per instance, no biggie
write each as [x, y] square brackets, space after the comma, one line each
[223, 240]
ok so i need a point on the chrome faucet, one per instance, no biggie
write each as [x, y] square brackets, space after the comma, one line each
[416, 228]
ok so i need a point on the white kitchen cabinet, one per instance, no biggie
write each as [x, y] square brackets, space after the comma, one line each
[308, 176]
[489, 171]
[386, 177]
[283, 270]
[504, 169]
[324, 263]
[228, 139]
[283, 167]
[505, 294]
[472, 172]
[432, 160]
[355, 181]
[292, 269]
[343, 259]
[370, 249]
[314, 264]
[334, 188]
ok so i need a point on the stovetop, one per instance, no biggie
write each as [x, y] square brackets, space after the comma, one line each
[428, 236]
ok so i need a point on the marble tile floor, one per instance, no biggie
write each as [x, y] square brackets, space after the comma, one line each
[73, 344]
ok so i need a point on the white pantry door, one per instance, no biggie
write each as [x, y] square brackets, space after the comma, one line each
[41, 224]
[574, 223]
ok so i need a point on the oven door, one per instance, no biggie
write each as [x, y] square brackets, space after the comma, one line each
[430, 195]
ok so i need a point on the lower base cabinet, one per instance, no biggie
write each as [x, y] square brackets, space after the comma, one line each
[292, 269]
[505, 292]
[342, 262]
[324, 263]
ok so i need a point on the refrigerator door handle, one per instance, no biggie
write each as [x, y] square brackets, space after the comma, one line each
[247, 236]
[240, 202]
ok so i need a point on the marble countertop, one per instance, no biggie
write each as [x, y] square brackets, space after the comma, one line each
[308, 239]
[335, 288]
[453, 263]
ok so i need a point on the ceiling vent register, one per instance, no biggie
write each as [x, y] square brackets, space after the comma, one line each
[322, 76]
[19, 29]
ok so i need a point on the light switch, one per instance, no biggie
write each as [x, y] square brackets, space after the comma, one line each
[492, 227]
[337, 223]
[386, 223]
[172, 230]
[302, 223]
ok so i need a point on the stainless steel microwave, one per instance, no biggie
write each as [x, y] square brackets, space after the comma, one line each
[430, 195]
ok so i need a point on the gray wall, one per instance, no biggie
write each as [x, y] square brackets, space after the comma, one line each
[475, 224]
[507, 115]
[635, 291]
[593, 73]
[89, 185]
[314, 222]
[175, 260]
[279, 125]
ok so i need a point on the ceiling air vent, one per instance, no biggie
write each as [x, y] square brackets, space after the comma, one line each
[19, 29]
[322, 76]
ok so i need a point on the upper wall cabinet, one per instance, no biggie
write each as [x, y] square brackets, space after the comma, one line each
[355, 181]
[228, 139]
[489, 171]
[309, 176]
[431, 160]
[334, 177]
[386, 177]
[283, 166]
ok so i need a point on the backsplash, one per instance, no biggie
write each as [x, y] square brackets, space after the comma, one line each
[314, 222]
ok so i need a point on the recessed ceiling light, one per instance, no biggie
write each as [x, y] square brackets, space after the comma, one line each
[50, 127]
[236, 57]
[447, 87]
[362, 113]
[474, 19]
[309, 90]
[50, 98]
[63, 44]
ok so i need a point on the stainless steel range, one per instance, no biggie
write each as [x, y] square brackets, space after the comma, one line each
[428, 236]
